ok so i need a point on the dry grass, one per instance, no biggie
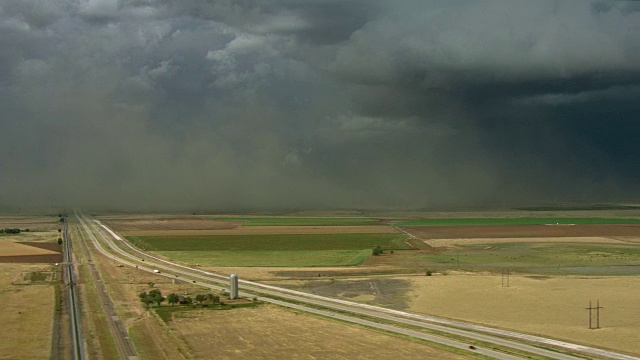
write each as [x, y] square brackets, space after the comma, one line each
[268, 230]
[268, 332]
[27, 310]
[553, 307]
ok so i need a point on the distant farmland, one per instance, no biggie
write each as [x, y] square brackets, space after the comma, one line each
[299, 221]
[271, 250]
[518, 221]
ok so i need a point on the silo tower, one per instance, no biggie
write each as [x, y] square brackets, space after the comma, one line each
[233, 288]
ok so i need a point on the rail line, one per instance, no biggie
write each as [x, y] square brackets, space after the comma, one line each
[69, 276]
[522, 342]
[117, 328]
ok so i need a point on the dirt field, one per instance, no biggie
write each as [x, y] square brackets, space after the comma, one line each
[27, 310]
[166, 223]
[528, 231]
[33, 223]
[40, 251]
[22, 249]
[589, 240]
[552, 306]
[266, 230]
[268, 332]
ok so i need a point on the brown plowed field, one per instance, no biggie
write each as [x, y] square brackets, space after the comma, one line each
[178, 223]
[30, 252]
[521, 231]
[31, 223]
[32, 259]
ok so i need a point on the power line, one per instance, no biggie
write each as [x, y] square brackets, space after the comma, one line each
[505, 278]
[595, 314]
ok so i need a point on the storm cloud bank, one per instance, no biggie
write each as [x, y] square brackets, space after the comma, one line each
[157, 104]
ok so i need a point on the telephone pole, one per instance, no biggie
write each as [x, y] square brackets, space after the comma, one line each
[505, 278]
[597, 314]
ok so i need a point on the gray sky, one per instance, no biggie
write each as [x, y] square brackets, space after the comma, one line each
[157, 104]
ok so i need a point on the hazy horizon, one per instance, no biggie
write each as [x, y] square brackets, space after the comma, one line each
[145, 105]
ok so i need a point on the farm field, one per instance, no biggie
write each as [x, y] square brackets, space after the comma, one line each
[269, 332]
[266, 230]
[556, 267]
[552, 306]
[28, 302]
[300, 221]
[518, 221]
[33, 223]
[271, 250]
[562, 258]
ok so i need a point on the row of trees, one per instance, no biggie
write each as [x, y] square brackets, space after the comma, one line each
[155, 297]
[10, 231]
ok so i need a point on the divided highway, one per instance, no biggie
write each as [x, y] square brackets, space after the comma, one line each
[499, 344]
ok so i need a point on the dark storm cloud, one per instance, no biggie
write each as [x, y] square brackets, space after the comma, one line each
[269, 104]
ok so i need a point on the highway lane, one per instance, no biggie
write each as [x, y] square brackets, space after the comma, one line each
[463, 329]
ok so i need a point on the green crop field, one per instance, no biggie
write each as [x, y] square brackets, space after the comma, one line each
[292, 258]
[544, 258]
[271, 250]
[276, 242]
[518, 221]
[300, 221]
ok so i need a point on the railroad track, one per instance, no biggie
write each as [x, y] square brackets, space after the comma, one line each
[117, 328]
[69, 276]
[514, 343]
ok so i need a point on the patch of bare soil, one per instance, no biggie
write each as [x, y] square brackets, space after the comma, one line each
[383, 291]
[269, 332]
[508, 231]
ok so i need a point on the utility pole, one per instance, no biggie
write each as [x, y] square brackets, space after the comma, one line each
[597, 314]
[505, 278]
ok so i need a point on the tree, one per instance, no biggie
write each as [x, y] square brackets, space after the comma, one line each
[59, 241]
[146, 299]
[188, 300]
[173, 298]
[200, 298]
[156, 296]
[213, 299]
[377, 250]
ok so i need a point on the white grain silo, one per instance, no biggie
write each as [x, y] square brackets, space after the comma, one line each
[233, 287]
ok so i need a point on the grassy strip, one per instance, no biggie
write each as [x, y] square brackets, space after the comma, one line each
[270, 258]
[274, 242]
[300, 221]
[519, 221]
[99, 330]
